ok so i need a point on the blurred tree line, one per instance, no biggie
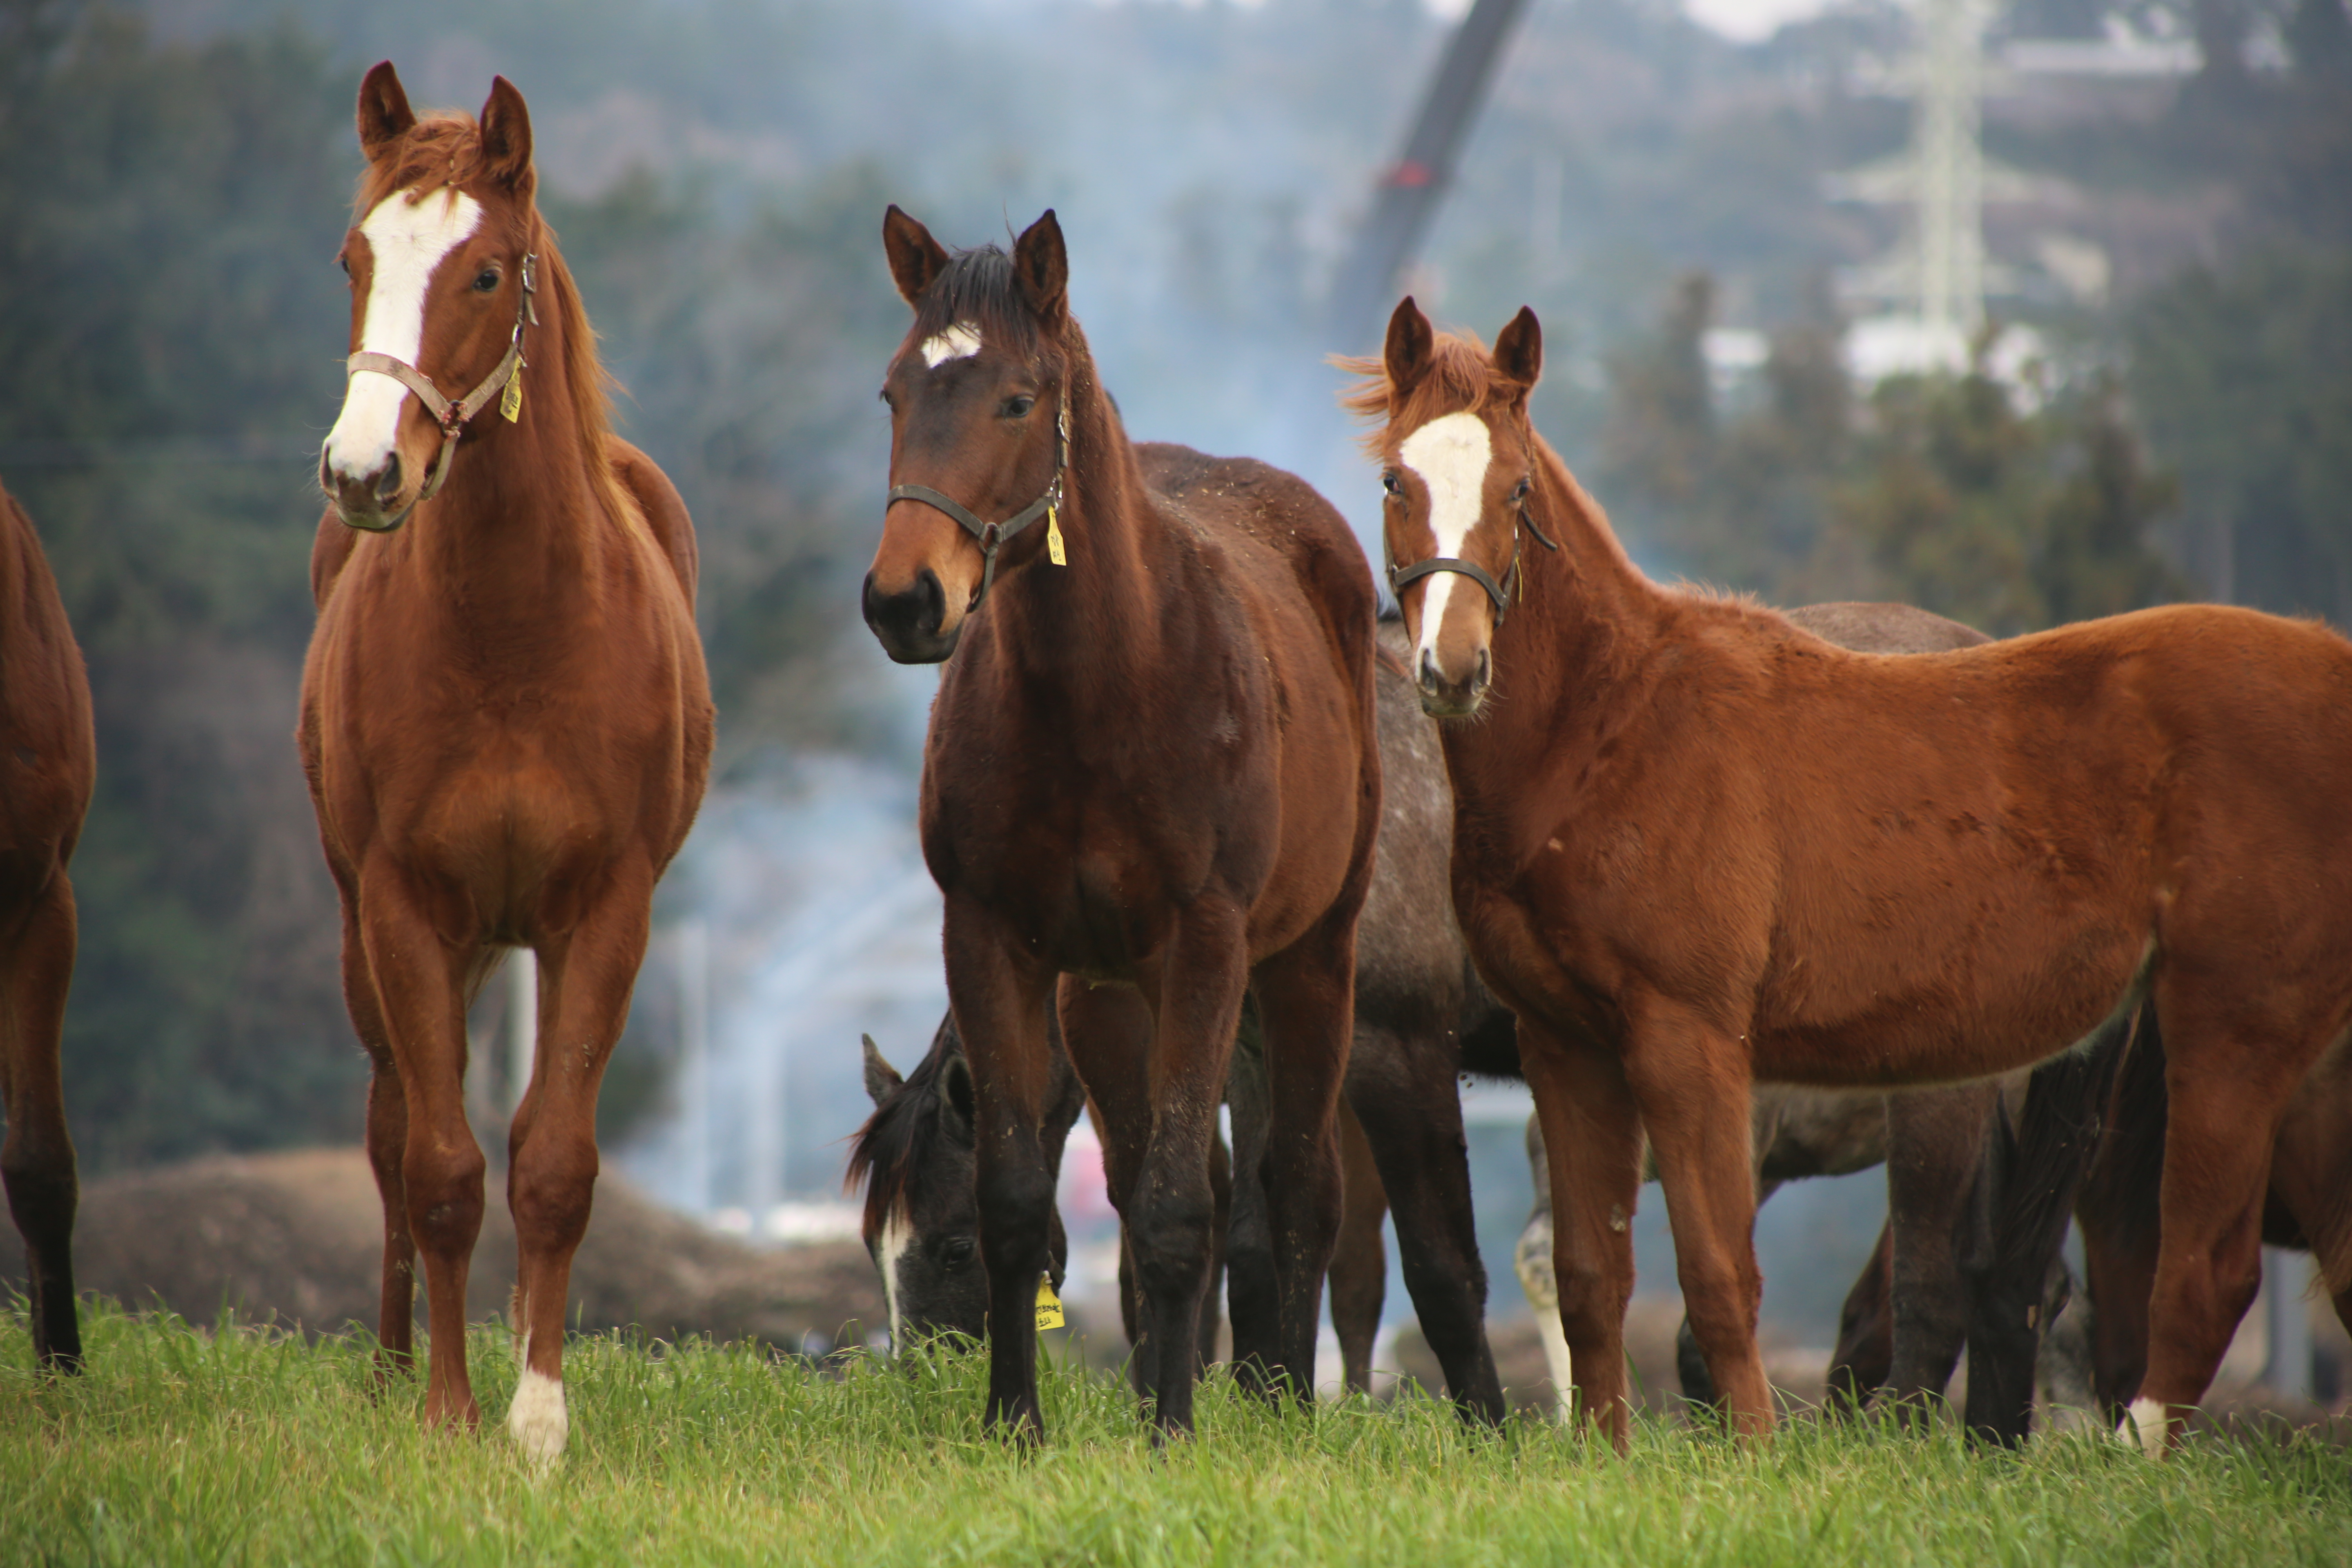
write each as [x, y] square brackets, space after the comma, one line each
[172, 327]
[2193, 440]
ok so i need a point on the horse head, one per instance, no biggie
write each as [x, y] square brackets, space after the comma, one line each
[979, 430]
[441, 265]
[1458, 466]
[917, 1158]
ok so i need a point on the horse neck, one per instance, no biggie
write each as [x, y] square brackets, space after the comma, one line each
[1571, 654]
[522, 518]
[1084, 627]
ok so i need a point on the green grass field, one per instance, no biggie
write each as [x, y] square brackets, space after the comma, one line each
[247, 1446]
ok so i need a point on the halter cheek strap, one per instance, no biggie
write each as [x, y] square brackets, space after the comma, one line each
[1501, 593]
[994, 535]
[453, 416]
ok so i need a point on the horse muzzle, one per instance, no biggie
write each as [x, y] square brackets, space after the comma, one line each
[906, 623]
[367, 502]
[1445, 697]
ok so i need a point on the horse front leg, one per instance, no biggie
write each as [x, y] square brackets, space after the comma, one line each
[1592, 1145]
[421, 1000]
[1171, 1216]
[37, 1158]
[1692, 1085]
[999, 1005]
[585, 977]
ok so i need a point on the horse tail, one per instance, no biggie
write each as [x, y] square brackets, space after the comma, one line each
[2024, 1195]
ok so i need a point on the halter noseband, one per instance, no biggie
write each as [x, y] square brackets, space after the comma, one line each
[453, 416]
[1500, 593]
[994, 535]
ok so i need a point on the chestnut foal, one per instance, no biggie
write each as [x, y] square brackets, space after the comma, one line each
[1151, 783]
[505, 717]
[1696, 846]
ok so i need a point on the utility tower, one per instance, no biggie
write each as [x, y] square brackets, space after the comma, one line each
[1938, 274]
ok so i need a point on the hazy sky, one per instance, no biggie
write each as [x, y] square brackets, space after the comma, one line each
[1747, 20]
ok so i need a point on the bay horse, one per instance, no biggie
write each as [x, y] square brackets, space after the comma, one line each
[1151, 784]
[50, 757]
[506, 721]
[1697, 846]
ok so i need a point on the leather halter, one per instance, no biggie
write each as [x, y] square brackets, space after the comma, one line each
[992, 535]
[452, 416]
[1500, 593]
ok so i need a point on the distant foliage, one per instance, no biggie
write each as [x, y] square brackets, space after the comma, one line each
[1937, 490]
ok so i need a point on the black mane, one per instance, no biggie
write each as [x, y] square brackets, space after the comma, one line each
[897, 1139]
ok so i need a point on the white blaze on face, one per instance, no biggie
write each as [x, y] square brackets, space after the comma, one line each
[958, 341]
[406, 242]
[897, 1237]
[1450, 455]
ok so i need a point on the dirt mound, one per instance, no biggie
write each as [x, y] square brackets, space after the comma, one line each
[298, 1237]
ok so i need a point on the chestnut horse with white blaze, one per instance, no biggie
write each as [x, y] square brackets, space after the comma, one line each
[47, 759]
[1151, 783]
[1696, 846]
[505, 717]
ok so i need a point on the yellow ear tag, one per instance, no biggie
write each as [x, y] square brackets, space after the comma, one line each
[1055, 554]
[1049, 1306]
[510, 400]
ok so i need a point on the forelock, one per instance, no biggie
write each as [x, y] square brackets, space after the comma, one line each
[977, 288]
[1461, 379]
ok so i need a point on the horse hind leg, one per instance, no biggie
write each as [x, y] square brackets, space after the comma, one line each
[1865, 1343]
[387, 1141]
[1360, 1262]
[1411, 1113]
[1306, 996]
[37, 1159]
[1935, 1140]
[2226, 1088]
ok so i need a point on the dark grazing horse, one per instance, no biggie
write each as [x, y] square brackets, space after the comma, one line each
[505, 719]
[1697, 846]
[1150, 785]
[1421, 1019]
[49, 759]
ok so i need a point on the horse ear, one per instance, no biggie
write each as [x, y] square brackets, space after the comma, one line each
[384, 114]
[956, 1099]
[1519, 351]
[506, 133]
[1409, 350]
[1041, 264]
[882, 1080]
[916, 259]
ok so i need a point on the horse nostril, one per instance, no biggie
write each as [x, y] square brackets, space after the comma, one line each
[326, 470]
[388, 486]
[1485, 667]
[933, 612]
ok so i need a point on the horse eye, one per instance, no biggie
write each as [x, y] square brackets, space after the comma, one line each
[888, 400]
[1390, 483]
[958, 1251]
[1017, 407]
[345, 263]
[487, 281]
[1521, 493]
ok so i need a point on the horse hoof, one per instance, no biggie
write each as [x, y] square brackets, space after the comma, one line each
[536, 1420]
